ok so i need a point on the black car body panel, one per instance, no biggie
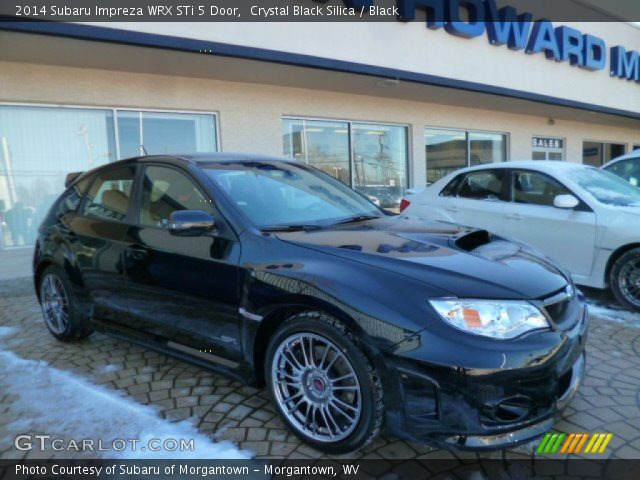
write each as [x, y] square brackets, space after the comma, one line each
[215, 299]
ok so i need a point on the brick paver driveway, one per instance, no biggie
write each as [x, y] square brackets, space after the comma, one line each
[223, 409]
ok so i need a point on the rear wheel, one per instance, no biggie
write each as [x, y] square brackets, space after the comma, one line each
[323, 384]
[59, 306]
[625, 279]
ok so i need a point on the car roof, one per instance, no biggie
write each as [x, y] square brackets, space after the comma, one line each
[541, 165]
[208, 157]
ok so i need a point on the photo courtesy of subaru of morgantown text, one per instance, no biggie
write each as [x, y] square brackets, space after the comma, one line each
[317, 238]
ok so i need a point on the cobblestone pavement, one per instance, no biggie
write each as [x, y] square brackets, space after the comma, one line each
[223, 409]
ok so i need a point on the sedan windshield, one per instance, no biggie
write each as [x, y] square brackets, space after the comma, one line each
[606, 187]
[280, 195]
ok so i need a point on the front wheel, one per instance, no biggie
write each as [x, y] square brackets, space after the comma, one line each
[625, 279]
[323, 384]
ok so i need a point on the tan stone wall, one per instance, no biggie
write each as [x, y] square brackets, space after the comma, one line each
[250, 115]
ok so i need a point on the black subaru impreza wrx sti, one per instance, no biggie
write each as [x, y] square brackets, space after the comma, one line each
[355, 319]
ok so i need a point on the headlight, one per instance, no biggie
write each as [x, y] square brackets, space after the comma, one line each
[491, 318]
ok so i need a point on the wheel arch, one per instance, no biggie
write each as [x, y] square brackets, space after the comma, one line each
[615, 256]
[274, 315]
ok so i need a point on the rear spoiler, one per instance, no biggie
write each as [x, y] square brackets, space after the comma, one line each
[70, 178]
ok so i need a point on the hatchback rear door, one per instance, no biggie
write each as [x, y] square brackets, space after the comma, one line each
[98, 231]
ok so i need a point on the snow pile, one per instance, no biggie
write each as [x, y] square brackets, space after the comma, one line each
[59, 404]
[624, 317]
[7, 331]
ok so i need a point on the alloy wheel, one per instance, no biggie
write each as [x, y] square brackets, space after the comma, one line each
[55, 303]
[316, 387]
[629, 281]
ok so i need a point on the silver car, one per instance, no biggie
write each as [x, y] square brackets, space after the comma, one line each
[626, 167]
[586, 219]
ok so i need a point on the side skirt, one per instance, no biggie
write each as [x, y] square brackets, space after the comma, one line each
[214, 363]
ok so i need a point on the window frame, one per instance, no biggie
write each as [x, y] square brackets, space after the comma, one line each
[547, 151]
[350, 123]
[466, 131]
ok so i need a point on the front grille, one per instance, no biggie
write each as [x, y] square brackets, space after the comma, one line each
[562, 307]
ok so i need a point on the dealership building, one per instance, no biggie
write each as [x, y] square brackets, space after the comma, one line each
[383, 106]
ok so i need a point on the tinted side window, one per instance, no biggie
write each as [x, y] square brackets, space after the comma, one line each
[166, 190]
[451, 187]
[482, 185]
[71, 199]
[535, 188]
[110, 194]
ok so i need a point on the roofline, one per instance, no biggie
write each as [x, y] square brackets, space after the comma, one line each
[167, 42]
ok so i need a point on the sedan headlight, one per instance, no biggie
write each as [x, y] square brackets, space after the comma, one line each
[491, 318]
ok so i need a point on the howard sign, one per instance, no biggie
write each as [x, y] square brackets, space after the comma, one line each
[517, 31]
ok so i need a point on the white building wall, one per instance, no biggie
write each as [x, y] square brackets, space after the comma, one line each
[250, 115]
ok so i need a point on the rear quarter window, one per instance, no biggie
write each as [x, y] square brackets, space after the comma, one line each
[71, 199]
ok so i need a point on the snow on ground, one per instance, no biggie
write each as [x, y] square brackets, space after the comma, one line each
[607, 313]
[59, 404]
[7, 331]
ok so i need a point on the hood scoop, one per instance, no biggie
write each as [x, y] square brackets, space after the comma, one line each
[469, 241]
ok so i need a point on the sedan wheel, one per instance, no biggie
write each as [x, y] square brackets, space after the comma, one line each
[316, 387]
[323, 384]
[625, 279]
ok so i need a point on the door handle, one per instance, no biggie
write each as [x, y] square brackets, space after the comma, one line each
[138, 253]
[514, 216]
[452, 209]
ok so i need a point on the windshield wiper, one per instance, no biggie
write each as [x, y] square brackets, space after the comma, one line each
[291, 228]
[356, 218]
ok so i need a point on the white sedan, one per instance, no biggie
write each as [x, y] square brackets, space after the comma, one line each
[586, 219]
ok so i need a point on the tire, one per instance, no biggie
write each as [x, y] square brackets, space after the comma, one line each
[60, 307]
[327, 392]
[625, 279]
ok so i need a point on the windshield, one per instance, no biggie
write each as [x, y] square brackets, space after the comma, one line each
[276, 194]
[606, 187]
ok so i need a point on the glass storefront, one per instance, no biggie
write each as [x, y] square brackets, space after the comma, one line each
[599, 153]
[372, 158]
[449, 150]
[40, 145]
[163, 133]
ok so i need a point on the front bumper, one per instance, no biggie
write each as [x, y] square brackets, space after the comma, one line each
[485, 408]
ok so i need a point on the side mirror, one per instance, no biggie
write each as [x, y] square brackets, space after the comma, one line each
[190, 222]
[565, 201]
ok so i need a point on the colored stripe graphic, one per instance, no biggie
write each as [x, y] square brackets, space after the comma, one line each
[574, 443]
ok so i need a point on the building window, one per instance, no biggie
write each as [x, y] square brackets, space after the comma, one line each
[636, 147]
[372, 158]
[547, 148]
[449, 150]
[40, 145]
[599, 153]
[165, 133]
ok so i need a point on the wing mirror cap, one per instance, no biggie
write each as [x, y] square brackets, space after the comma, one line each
[565, 201]
[190, 222]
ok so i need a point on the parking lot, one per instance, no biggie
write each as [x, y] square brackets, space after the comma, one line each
[223, 410]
